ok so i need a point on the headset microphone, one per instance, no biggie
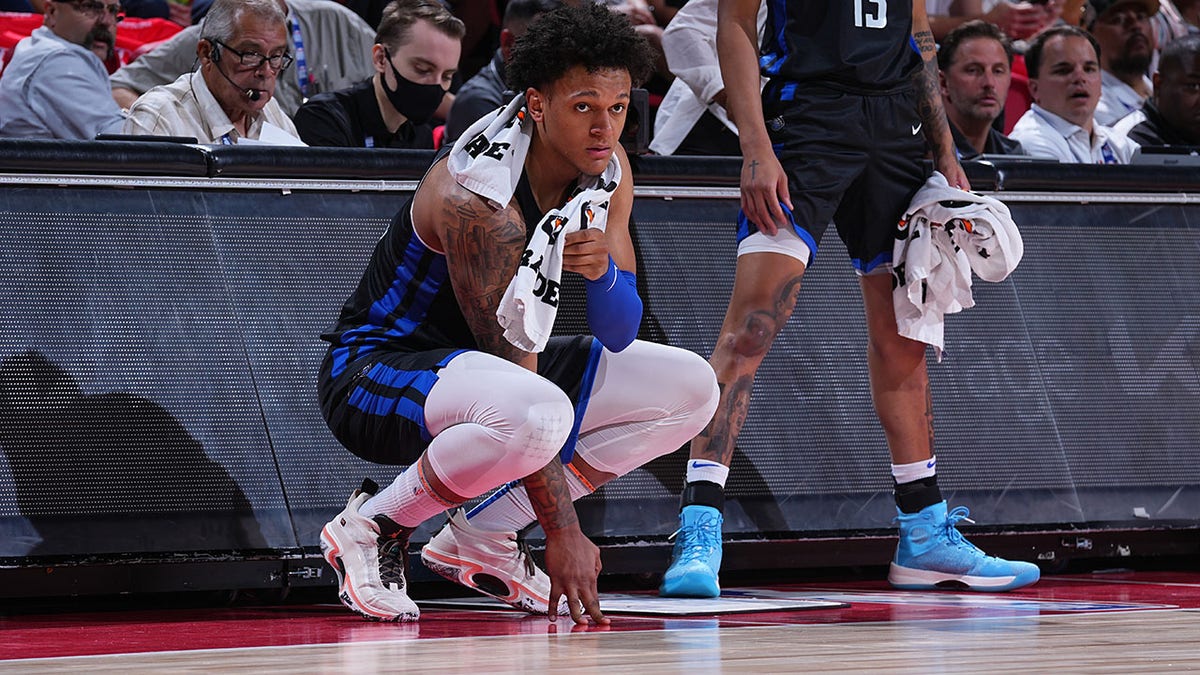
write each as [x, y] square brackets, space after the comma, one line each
[253, 94]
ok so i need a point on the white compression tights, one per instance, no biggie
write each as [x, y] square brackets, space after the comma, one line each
[646, 401]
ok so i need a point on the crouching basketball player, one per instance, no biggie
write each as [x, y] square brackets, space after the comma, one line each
[420, 372]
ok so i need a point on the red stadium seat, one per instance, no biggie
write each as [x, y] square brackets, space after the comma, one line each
[134, 36]
[1019, 98]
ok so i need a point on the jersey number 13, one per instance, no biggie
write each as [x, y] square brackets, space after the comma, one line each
[871, 13]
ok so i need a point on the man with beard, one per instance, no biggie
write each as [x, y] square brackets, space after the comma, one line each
[975, 62]
[1064, 79]
[56, 85]
[1172, 115]
[1125, 34]
[415, 57]
[242, 52]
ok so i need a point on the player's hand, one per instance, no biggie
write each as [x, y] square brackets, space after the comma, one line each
[573, 564]
[586, 253]
[953, 171]
[764, 187]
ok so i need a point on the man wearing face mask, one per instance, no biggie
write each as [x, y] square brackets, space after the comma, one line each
[230, 99]
[415, 57]
[56, 85]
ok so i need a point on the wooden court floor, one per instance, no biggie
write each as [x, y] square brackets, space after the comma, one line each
[1115, 622]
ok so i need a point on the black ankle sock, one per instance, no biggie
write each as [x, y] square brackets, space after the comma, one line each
[914, 496]
[703, 493]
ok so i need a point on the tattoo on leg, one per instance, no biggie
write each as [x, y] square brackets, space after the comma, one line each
[929, 414]
[721, 434]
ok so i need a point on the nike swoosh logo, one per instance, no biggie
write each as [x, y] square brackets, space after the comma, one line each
[699, 464]
[917, 128]
[931, 464]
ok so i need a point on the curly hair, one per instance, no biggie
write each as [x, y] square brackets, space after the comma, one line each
[589, 35]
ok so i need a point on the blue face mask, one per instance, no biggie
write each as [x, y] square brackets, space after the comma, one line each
[415, 101]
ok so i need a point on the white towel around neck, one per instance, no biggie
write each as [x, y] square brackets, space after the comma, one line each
[488, 159]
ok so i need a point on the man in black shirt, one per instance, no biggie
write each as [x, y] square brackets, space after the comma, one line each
[484, 92]
[415, 56]
[975, 60]
[1173, 112]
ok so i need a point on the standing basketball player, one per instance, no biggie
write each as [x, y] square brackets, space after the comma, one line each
[838, 133]
[420, 371]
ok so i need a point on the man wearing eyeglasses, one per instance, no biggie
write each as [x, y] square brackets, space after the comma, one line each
[230, 99]
[335, 44]
[56, 85]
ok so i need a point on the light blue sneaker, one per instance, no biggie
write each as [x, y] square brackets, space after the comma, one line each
[696, 559]
[933, 555]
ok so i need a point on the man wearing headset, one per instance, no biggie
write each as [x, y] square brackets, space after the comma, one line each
[230, 99]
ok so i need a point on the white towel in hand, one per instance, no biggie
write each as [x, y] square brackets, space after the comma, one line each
[488, 159]
[946, 235]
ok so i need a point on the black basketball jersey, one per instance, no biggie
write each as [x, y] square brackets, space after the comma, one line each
[863, 45]
[405, 301]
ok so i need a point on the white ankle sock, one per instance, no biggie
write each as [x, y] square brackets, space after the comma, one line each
[508, 508]
[907, 473]
[408, 500]
[704, 469]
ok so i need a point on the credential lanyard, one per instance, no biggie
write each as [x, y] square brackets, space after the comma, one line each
[301, 63]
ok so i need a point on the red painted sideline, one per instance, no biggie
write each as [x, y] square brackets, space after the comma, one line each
[126, 631]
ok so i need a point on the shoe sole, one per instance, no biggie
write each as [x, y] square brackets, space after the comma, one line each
[690, 587]
[906, 578]
[462, 571]
[333, 556]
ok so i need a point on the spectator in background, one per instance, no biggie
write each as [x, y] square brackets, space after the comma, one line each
[975, 61]
[242, 52]
[415, 54]
[693, 118]
[484, 92]
[331, 45]
[1172, 115]
[1018, 20]
[1123, 30]
[1175, 19]
[56, 85]
[1064, 78]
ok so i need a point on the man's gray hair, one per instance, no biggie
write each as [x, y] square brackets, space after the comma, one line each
[221, 21]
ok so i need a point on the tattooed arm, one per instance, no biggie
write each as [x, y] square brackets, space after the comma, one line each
[483, 248]
[763, 182]
[929, 102]
[572, 560]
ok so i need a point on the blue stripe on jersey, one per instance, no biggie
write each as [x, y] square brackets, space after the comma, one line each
[745, 228]
[777, 13]
[912, 42]
[402, 393]
[430, 269]
[341, 356]
[585, 394]
[417, 280]
[866, 267]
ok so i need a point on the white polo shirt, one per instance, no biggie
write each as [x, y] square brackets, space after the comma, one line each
[1044, 134]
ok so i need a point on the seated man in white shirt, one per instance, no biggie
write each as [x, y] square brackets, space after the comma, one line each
[1064, 79]
[230, 98]
[1124, 31]
[56, 85]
